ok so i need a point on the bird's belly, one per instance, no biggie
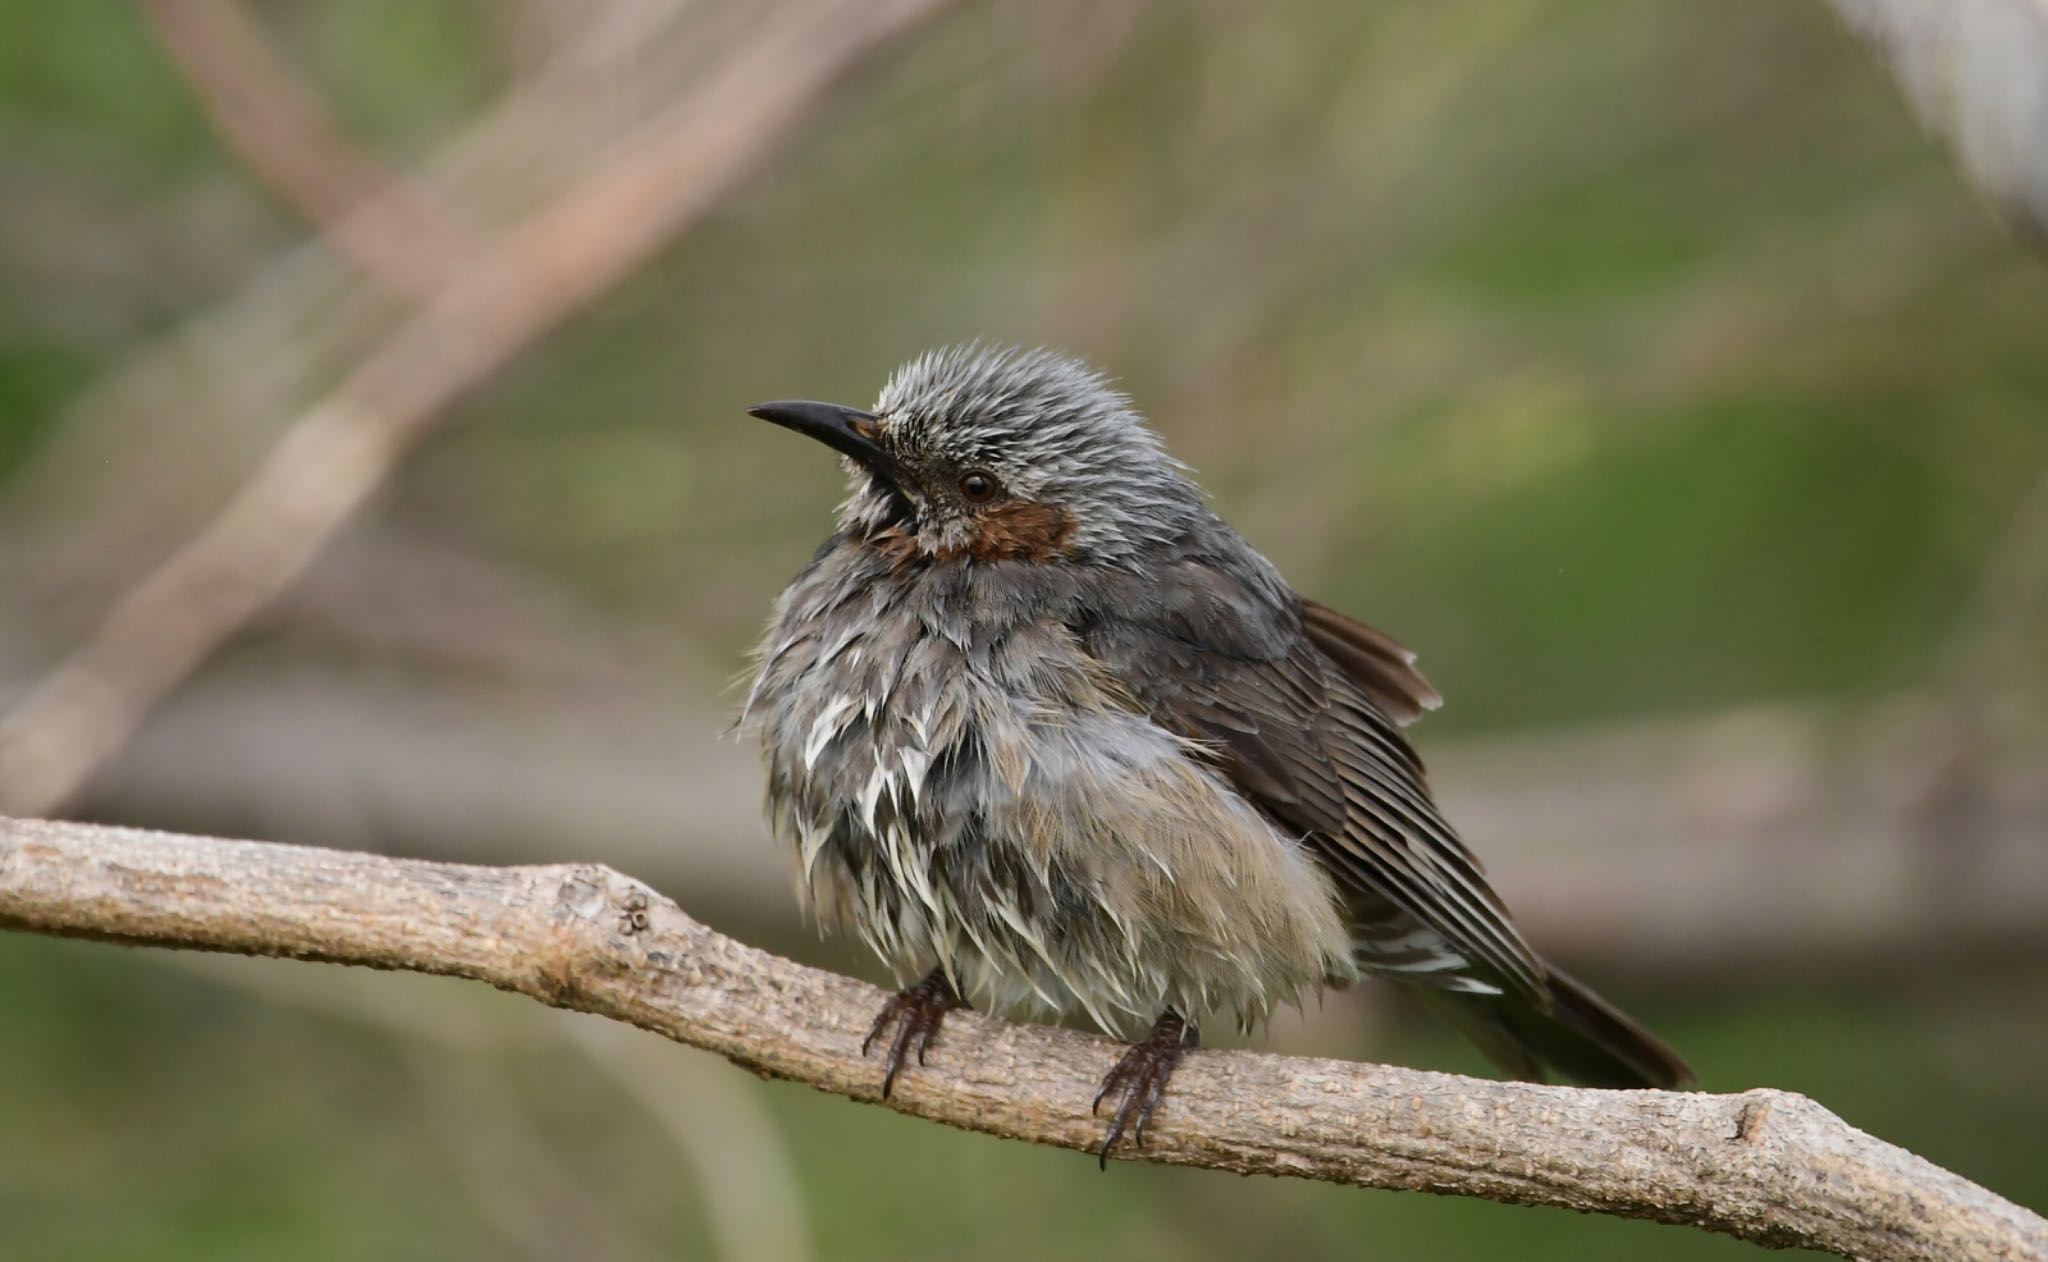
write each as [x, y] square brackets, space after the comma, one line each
[1052, 854]
[1012, 934]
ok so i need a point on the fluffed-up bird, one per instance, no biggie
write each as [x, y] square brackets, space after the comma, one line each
[1051, 737]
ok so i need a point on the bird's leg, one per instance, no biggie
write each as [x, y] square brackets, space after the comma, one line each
[916, 1012]
[1139, 1079]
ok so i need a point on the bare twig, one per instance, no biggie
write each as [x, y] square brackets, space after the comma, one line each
[339, 453]
[268, 115]
[1767, 1166]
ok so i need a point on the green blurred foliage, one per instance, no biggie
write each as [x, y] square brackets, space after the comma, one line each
[1628, 357]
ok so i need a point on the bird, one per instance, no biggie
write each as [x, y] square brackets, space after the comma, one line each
[1054, 740]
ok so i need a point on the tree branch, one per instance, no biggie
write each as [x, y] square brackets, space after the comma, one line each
[1767, 1166]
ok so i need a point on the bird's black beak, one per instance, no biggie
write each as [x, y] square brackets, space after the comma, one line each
[849, 431]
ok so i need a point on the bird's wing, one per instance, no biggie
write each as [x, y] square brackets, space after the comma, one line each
[1370, 659]
[1298, 706]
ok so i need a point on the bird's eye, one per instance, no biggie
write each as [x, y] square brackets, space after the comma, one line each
[979, 486]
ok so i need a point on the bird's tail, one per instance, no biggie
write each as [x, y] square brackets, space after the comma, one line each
[1581, 1036]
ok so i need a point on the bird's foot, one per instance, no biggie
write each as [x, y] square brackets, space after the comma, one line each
[1139, 1079]
[916, 1012]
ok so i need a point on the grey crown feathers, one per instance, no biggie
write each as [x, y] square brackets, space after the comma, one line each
[1052, 429]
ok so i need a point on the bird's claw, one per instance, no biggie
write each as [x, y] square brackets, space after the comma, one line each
[1139, 1080]
[916, 1012]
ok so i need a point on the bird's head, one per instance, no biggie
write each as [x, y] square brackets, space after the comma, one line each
[1002, 455]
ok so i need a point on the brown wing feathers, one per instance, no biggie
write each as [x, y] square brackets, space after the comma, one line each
[1306, 729]
[1384, 669]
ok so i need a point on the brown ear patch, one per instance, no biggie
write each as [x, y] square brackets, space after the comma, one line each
[1017, 531]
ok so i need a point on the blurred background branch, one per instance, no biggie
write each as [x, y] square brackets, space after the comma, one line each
[1889, 834]
[278, 126]
[464, 1067]
[1767, 1166]
[339, 452]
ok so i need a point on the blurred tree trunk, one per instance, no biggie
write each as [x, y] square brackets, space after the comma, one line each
[1976, 72]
